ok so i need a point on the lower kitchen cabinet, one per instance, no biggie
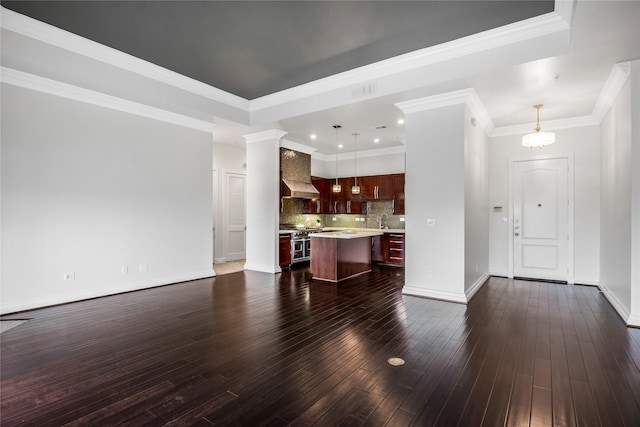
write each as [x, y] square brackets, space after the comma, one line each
[285, 249]
[388, 249]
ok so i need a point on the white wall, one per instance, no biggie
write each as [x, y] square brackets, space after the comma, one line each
[372, 162]
[615, 212]
[476, 215]
[434, 188]
[230, 158]
[584, 144]
[89, 190]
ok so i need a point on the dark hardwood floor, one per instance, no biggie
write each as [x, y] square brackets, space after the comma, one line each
[258, 349]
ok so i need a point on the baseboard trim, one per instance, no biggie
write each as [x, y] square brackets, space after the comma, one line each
[617, 305]
[456, 297]
[131, 287]
[476, 286]
[273, 269]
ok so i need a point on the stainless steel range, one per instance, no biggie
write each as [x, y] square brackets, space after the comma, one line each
[300, 243]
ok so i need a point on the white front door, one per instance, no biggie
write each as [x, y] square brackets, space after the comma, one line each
[236, 217]
[541, 219]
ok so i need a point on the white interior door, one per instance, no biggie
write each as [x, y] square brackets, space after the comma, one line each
[541, 219]
[236, 217]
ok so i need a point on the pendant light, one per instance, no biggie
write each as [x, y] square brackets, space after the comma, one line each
[337, 187]
[356, 188]
[538, 139]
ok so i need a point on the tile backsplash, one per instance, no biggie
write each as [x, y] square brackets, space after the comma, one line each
[379, 212]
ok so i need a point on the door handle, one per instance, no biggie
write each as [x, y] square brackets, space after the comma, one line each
[517, 234]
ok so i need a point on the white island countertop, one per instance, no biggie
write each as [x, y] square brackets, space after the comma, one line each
[348, 234]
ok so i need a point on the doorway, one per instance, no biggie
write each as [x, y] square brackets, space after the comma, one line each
[236, 216]
[542, 219]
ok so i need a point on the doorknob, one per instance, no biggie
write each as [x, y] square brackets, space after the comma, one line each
[517, 234]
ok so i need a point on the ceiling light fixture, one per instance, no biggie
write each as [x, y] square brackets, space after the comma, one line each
[313, 136]
[400, 121]
[337, 187]
[356, 188]
[538, 139]
[376, 140]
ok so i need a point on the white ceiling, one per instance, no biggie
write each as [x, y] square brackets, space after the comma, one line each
[568, 80]
[603, 34]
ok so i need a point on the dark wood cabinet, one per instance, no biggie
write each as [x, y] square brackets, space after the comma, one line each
[385, 187]
[284, 249]
[321, 204]
[368, 187]
[373, 187]
[395, 247]
[388, 249]
[345, 202]
[376, 187]
[398, 194]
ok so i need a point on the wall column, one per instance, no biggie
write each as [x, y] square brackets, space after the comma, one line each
[634, 317]
[263, 206]
[435, 194]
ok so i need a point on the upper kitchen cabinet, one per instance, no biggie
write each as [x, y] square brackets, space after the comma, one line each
[398, 194]
[345, 202]
[376, 187]
[319, 205]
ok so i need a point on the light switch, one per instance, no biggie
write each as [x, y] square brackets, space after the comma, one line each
[431, 222]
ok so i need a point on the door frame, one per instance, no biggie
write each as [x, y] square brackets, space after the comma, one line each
[570, 209]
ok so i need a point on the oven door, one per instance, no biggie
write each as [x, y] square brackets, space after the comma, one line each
[300, 249]
[297, 250]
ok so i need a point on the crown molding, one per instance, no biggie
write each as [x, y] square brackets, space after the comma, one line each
[468, 96]
[616, 80]
[559, 124]
[285, 143]
[265, 135]
[436, 101]
[53, 87]
[361, 154]
[494, 38]
[55, 36]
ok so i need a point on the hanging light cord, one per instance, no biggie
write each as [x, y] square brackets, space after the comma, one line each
[336, 127]
[355, 159]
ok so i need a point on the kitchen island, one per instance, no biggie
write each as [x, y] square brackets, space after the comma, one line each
[339, 255]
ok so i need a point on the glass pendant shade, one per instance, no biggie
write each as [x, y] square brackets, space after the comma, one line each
[538, 139]
[336, 188]
[355, 189]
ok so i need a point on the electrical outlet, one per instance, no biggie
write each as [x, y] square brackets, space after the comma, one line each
[431, 222]
[144, 267]
[429, 274]
[125, 269]
[69, 276]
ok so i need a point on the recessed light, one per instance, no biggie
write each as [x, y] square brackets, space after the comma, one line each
[340, 145]
[313, 136]
[400, 121]
[376, 140]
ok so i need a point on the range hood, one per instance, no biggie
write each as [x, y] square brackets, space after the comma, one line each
[299, 190]
[295, 169]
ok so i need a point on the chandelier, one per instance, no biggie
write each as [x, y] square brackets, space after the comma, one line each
[538, 139]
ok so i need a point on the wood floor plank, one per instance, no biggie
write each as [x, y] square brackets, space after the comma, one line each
[252, 349]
